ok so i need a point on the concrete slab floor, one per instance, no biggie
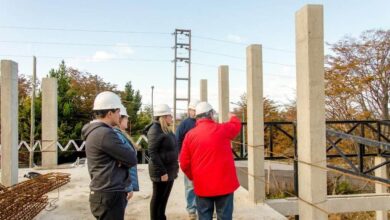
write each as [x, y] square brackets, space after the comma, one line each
[73, 199]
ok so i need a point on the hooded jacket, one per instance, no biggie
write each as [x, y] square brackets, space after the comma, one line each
[108, 158]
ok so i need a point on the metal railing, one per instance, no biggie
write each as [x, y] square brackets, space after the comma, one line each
[352, 142]
[77, 146]
[371, 137]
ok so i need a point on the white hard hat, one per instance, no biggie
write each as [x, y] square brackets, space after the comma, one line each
[203, 107]
[161, 110]
[123, 111]
[107, 100]
[193, 104]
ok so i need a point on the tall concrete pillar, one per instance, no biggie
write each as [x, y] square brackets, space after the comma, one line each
[311, 110]
[256, 177]
[380, 188]
[9, 122]
[49, 122]
[223, 93]
[203, 90]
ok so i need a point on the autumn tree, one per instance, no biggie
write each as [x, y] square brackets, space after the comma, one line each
[24, 90]
[358, 77]
[273, 112]
[86, 85]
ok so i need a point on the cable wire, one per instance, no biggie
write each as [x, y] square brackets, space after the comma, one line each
[82, 30]
[83, 44]
[135, 32]
[240, 43]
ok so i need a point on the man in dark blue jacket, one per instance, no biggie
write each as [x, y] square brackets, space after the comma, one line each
[181, 131]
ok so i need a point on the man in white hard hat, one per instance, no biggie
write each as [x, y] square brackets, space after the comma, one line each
[207, 159]
[108, 159]
[185, 126]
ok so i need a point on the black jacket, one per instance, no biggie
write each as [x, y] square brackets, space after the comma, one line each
[163, 153]
[185, 126]
[105, 151]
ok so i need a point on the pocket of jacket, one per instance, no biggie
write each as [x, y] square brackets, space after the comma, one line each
[110, 199]
[95, 198]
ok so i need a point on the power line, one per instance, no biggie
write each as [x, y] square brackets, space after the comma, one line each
[240, 58]
[240, 70]
[131, 60]
[82, 30]
[240, 43]
[87, 58]
[134, 46]
[83, 44]
[218, 40]
[218, 54]
[135, 32]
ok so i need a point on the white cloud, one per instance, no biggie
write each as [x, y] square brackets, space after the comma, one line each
[119, 51]
[234, 38]
[101, 55]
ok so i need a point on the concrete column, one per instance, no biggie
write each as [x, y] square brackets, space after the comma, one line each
[49, 122]
[256, 176]
[9, 122]
[380, 188]
[223, 93]
[203, 90]
[311, 110]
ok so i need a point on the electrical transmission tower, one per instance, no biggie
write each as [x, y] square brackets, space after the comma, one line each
[182, 67]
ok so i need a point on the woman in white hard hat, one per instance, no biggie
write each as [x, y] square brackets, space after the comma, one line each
[121, 132]
[163, 163]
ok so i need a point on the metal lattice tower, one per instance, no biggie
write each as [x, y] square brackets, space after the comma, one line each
[182, 67]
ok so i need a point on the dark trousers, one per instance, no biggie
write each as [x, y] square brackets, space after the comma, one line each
[223, 204]
[108, 205]
[158, 203]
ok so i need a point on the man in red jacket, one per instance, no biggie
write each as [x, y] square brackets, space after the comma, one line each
[206, 158]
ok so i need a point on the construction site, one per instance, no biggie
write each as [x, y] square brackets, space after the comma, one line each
[310, 177]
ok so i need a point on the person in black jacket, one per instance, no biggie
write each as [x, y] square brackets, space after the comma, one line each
[108, 159]
[185, 126]
[163, 163]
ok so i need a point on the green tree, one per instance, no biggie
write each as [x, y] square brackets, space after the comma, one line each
[132, 100]
[76, 92]
[66, 108]
[144, 118]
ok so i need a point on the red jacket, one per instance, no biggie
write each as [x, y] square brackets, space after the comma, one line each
[207, 159]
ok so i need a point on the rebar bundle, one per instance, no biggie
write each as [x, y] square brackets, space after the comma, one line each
[26, 199]
[2, 188]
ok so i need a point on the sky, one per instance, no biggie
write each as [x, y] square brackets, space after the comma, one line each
[124, 40]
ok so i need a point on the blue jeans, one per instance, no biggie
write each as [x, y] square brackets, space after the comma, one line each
[223, 204]
[190, 195]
